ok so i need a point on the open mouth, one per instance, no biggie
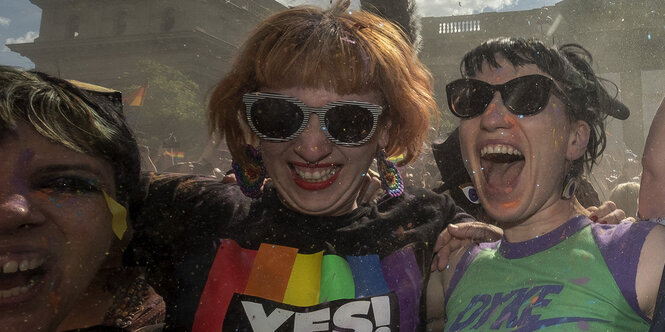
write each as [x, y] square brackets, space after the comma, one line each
[19, 276]
[501, 165]
[314, 176]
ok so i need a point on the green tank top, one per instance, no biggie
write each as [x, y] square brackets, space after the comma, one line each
[562, 286]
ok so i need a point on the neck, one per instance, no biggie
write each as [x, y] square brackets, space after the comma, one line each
[547, 219]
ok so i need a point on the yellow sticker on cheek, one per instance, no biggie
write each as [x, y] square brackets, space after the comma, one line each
[119, 213]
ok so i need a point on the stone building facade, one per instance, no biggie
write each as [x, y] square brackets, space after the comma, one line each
[101, 41]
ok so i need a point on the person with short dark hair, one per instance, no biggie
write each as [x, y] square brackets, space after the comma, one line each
[69, 175]
[532, 121]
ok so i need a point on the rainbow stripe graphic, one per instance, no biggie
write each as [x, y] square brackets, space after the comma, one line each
[281, 274]
[175, 154]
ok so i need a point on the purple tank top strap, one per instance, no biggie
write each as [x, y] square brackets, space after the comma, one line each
[617, 244]
[464, 263]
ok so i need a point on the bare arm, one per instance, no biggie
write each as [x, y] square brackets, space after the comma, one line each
[650, 269]
[652, 188]
[436, 291]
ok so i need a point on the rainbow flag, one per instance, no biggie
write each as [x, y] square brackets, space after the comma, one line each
[180, 155]
[283, 280]
[138, 97]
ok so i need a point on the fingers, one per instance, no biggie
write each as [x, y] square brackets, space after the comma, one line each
[443, 239]
[442, 257]
[459, 236]
[476, 231]
[229, 178]
[606, 213]
[613, 217]
[441, 249]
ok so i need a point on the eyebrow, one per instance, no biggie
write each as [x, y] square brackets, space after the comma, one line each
[71, 167]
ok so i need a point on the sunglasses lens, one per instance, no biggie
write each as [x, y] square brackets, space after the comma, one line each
[349, 123]
[527, 95]
[468, 98]
[276, 118]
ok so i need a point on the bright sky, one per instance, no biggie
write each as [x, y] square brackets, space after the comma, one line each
[20, 19]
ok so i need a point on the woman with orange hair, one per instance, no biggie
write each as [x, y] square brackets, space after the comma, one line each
[311, 100]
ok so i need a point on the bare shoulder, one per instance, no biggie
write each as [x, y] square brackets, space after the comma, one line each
[650, 269]
[454, 259]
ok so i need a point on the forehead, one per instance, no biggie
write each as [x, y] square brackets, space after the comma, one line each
[506, 71]
[24, 145]
[319, 97]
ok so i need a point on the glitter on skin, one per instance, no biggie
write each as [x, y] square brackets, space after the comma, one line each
[22, 164]
[510, 204]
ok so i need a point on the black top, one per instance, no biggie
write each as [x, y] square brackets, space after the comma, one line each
[187, 223]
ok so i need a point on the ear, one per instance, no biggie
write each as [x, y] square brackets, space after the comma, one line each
[578, 140]
[383, 134]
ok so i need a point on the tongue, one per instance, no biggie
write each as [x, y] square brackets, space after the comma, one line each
[503, 175]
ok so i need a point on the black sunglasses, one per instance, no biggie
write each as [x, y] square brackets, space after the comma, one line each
[279, 118]
[525, 95]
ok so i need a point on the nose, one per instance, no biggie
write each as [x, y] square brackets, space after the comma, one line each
[496, 115]
[17, 213]
[313, 145]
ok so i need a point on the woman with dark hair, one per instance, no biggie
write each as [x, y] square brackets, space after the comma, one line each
[70, 170]
[312, 99]
[532, 122]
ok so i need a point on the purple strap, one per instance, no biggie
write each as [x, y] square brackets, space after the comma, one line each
[464, 263]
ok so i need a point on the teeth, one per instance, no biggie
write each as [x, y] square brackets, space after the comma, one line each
[14, 291]
[10, 267]
[503, 149]
[316, 176]
[24, 265]
[35, 263]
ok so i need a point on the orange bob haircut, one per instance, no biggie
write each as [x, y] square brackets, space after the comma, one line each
[336, 49]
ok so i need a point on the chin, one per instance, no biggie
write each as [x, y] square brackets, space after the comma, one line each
[37, 315]
[322, 203]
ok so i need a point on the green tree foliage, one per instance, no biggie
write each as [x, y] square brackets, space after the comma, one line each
[173, 104]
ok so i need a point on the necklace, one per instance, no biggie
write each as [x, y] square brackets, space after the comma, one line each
[127, 303]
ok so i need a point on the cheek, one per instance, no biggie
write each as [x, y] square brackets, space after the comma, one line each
[89, 235]
[467, 133]
[84, 220]
[272, 151]
[550, 131]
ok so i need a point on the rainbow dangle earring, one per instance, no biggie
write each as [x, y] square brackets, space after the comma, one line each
[250, 177]
[391, 180]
